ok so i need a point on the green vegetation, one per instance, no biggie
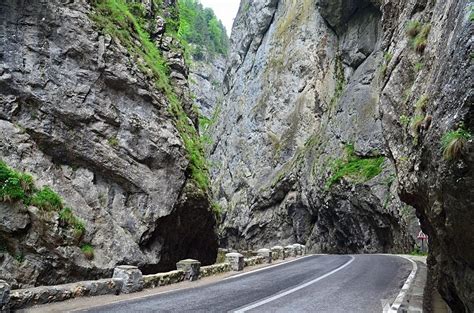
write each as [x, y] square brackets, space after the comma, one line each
[404, 120]
[46, 199]
[453, 143]
[354, 167]
[115, 17]
[387, 57]
[88, 251]
[16, 186]
[416, 123]
[422, 103]
[200, 26]
[217, 209]
[67, 216]
[417, 252]
[113, 141]
[418, 66]
[418, 34]
[19, 257]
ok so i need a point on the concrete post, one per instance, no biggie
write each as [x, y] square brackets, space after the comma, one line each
[298, 250]
[190, 267]
[236, 261]
[277, 253]
[266, 253]
[131, 276]
[289, 251]
[303, 249]
[4, 296]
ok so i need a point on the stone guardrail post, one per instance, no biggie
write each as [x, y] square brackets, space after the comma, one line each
[236, 261]
[190, 267]
[266, 253]
[298, 250]
[131, 276]
[277, 253]
[289, 251]
[4, 296]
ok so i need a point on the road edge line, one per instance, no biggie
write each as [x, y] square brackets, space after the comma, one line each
[294, 289]
[406, 286]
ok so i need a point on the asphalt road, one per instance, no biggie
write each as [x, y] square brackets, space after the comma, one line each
[323, 283]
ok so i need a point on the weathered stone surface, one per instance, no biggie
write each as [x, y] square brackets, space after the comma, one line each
[255, 260]
[440, 190]
[215, 269]
[24, 298]
[131, 277]
[266, 253]
[78, 114]
[290, 251]
[5, 290]
[278, 253]
[236, 261]
[297, 95]
[163, 279]
[190, 267]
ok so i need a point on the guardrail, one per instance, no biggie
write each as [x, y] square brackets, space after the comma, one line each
[129, 279]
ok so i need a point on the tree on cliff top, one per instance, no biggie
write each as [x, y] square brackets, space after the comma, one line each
[199, 26]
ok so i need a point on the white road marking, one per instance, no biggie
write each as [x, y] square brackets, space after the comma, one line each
[399, 300]
[283, 294]
[270, 266]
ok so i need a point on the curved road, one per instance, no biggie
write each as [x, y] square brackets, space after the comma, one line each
[318, 283]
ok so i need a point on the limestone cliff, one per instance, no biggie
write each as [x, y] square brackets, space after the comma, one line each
[299, 147]
[94, 102]
[336, 110]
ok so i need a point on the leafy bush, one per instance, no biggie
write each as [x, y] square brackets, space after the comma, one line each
[422, 103]
[453, 143]
[354, 167]
[404, 120]
[88, 251]
[413, 28]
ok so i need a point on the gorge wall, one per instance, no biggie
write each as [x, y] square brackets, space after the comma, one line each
[334, 112]
[87, 111]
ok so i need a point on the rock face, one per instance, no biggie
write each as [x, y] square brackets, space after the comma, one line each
[440, 189]
[77, 113]
[300, 93]
[382, 80]
[205, 80]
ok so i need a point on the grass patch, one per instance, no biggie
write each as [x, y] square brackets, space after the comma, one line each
[14, 185]
[404, 120]
[422, 103]
[67, 217]
[418, 66]
[453, 143]
[418, 34]
[88, 251]
[46, 199]
[355, 168]
[113, 141]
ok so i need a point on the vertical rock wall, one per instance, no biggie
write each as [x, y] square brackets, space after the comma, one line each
[77, 112]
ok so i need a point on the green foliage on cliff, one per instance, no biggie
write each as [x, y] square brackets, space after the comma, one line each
[354, 167]
[88, 251]
[17, 186]
[116, 18]
[200, 26]
[67, 216]
[418, 34]
[453, 143]
[14, 185]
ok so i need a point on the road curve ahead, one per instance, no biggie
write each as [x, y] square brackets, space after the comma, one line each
[319, 283]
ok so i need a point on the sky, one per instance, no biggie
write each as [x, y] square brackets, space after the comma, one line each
[225, 10]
